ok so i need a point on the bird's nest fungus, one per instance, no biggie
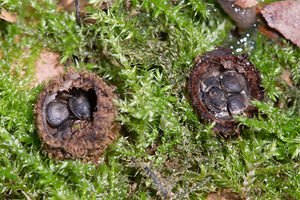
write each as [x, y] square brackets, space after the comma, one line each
[221, 85]
[76, 117]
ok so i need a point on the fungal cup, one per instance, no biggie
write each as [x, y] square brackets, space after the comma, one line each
[221, 85]
[76, 117]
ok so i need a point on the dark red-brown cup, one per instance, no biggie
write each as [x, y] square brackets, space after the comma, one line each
[221, 85]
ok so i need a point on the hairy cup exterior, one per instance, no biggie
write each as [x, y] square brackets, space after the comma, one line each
[221, 85]
[90, 126]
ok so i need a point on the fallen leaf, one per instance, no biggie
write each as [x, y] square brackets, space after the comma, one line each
[47, 67]
[246, 3]
[224, 195]
[284, 16]
[9, 17]
[286, 76]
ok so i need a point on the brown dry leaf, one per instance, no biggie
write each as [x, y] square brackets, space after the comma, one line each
[47, 67]
[284, 16]
[9, 17]
[246, 3]
[286, 76]
[223, 195]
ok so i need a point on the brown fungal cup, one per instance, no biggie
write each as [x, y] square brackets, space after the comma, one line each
[221, 85]
[75, 117]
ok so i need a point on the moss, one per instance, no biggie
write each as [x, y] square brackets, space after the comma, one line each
[146, 50]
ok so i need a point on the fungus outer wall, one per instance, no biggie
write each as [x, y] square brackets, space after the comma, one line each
[90, 125]
[221, 85]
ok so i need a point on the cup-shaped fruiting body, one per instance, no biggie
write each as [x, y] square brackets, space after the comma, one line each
[221, 85]
[75, 117]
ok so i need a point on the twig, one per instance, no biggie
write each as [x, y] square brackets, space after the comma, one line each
[156, 181]
[77, 5]
[26, 195]
[76, 61]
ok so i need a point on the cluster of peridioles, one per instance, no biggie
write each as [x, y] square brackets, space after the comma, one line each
[221, 85]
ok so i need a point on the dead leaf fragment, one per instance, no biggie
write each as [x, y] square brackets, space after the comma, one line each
[47, 67]
[284, 16]
[224, 195]
[9, 17]
[286, 76]
[246, 3]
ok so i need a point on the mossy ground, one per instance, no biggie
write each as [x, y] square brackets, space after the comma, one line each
[147, 51]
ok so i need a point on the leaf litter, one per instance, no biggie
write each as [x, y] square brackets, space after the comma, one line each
[284, 16]
[7, 16]
[47, 67]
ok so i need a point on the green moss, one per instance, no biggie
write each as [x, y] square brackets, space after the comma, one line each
[147, 51]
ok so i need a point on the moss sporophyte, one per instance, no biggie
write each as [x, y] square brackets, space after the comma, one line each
[221, 85]
[75, 117]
